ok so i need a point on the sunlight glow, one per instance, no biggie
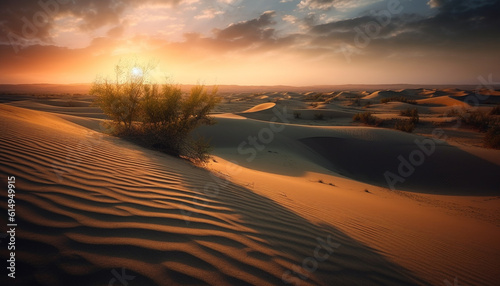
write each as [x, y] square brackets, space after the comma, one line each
[137, 72]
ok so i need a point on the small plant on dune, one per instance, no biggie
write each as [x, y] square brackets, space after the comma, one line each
[405, 125]
[297, 115]
[478, 120]
[400, 99]
[368, 104]
[367, 118]
[495, 110]
[319, 116]
[356, 102]
[453, 113]
[492, 137]
[158, 116]
[412, 113]
[198, 150]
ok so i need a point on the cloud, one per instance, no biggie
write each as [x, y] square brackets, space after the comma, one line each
[436, 3]
[27, 19]
[251, 30]
[458, 31]
[116, 31]
[290, 19]
[458, 26]
[209, 13]
[334, 4]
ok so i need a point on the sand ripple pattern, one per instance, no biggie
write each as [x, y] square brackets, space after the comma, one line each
[91, 206]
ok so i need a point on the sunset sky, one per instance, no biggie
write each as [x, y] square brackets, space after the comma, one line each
[253, 42]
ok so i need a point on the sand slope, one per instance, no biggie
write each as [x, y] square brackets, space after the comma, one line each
[442, 101]
[317, 172]
[354, 152]
[88, 204]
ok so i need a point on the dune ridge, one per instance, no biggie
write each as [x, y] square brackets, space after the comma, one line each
[97, 204]
[92, 206]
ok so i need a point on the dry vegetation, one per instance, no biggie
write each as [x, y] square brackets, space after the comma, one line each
[157, 116]
[399, 99]
[367, 118]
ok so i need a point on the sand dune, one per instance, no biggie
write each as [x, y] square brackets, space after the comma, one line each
[90, 205]
[289, 167]
[53, 106]
[94, 204]
[356, 151]
[260, 107]
[442, 101]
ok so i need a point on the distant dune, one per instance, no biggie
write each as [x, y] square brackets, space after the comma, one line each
[285, 199]
[83, 88]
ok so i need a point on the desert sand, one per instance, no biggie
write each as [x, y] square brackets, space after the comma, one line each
[305, 202]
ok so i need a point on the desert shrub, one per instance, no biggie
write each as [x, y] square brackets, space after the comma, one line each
[319, 116]
[197, 149]
[368, 104]
[356, 102]
[453, 113]
[114, 102]
[405, 125]
[168, 117]
[478, 120]
[495, 110]
[367, 118]
[492, 137]
[157, 116]
[412, 113]
[400, 99]
[297, 115]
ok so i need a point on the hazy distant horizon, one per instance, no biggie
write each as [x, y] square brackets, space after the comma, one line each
[83, 88]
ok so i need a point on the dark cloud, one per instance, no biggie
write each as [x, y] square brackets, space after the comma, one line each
[467, 26]
[321, 4]
[255, 29]
[326, 5]
[461, 24]
[28, 19]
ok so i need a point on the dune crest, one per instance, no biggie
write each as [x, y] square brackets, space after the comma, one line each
[260, 107]
[97, 204]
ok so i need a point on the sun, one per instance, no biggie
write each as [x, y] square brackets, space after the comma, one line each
[137, 72]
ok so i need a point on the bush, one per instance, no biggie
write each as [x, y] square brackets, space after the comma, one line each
[400, 99]
[412, 113]
[158, 116]
[405, 125]
[453, 113]
[297, 115]
[319, 116]
[478, 120]
[367, 118]
[495, 110]
[492, 137]
[198, 149]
